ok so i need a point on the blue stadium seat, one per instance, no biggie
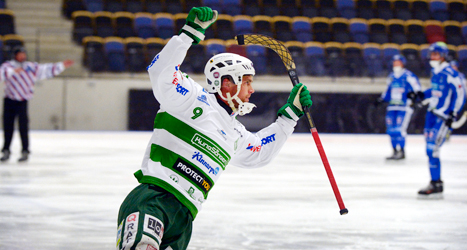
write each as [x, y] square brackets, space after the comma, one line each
[301, 27]
[175, 6]
[346, 8]
[372, 56]
[154, 6]
[402, 10]
[415, 31]
[144, 25]
[2, 4]
[134, 47]
[365, 9]
[457, 11]
[439, 10]
[257, 54]
[309, 8]
[94, 55]
[134, 6]
[340, 30]
[289, 8]
[354, 59]
[412, 55]
[113, 5]
[124, 24]
[270, 8]
[462, 58]
[115, 52]
[82, 25]
[262, 25]
[214, 47]
[384, 9]
[1, 50]
[165, 25]
[453, 32]
[232, 7]
[153, 46]
[396, 29]
[359, 30]
[321, 29]
[224, 27]
[214, 4]
[103, 21]
[94, 5]
[327, 9]
[335, 59]
[297, 51]
[315, 56]
[389, 50]
[7, 23]
[281, 26]
[377, 31]
[242, 24]
[420, 10]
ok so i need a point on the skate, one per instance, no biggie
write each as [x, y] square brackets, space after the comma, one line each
[24, 156]
[398, 155]
[433, 191]
[6, 155]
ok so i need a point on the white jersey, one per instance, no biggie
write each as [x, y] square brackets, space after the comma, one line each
[194, 138]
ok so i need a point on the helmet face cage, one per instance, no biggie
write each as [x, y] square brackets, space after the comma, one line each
[227, 64]
[439, 47]
[399, 58]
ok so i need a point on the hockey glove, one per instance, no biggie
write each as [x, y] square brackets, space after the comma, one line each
[412, 96]
[449, 120]
[198, 20]
[298, 98]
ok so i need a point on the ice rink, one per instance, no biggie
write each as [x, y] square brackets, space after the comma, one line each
[67, 196]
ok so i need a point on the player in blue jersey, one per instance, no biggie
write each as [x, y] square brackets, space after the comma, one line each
[400, 94]
[445, 99]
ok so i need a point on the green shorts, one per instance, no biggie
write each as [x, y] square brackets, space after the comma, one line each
[152, 218]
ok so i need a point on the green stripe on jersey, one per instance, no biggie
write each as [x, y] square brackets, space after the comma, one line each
[193, 137]
[189, 172]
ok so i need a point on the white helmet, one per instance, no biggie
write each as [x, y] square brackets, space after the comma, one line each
[235, 66]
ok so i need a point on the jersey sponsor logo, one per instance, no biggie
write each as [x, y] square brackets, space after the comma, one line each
[264, 141]
[153, 226]
[153, 61]
[199, 157]
[183, 91]
[203, 99]
[210, 148]
[131, 228]
[222, 133]
[193, 174]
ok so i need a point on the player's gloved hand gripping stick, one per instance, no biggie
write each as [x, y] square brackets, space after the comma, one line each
[284, 53]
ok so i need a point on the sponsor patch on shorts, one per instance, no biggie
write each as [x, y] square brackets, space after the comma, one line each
[153, 226]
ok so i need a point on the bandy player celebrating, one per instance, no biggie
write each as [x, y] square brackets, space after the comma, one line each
[196, 135]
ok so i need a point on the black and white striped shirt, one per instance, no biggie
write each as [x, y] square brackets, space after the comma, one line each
[19, 86]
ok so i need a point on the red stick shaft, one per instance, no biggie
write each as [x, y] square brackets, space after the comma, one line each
[327, 167]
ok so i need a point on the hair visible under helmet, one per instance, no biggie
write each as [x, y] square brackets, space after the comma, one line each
[235, 67]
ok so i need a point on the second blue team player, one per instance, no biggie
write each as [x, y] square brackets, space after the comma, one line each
[400, 94]
[445, 98]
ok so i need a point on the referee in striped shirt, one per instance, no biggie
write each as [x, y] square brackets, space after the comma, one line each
[20, 76]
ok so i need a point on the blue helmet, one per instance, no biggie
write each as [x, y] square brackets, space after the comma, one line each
[399, 58]
[439, 47]
[454, 63]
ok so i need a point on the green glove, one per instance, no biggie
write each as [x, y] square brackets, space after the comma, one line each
[198, 20]
[299, 97]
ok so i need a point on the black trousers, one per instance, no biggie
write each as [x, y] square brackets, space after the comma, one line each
[11, 109]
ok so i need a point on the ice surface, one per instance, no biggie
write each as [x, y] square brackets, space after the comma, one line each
[67, 196]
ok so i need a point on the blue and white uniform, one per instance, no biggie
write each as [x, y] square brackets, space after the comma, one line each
[399, 110]
[446, 96]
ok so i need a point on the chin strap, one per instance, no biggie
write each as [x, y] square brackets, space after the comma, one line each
[243, 107]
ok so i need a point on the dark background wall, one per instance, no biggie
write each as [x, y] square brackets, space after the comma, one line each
[332, 113]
